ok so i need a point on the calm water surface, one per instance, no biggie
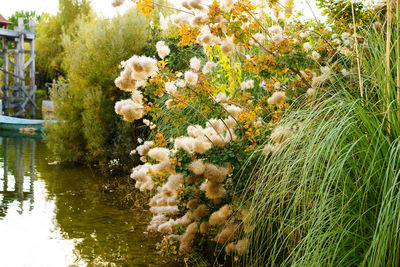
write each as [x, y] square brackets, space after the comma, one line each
[53, 215]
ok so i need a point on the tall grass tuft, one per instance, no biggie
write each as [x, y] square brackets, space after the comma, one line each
[331, 196]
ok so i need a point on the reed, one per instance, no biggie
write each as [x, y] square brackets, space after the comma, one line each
[331, 196]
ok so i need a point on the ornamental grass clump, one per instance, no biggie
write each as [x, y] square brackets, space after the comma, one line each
[330, 197]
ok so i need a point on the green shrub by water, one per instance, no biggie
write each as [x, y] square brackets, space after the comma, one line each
[84, 104]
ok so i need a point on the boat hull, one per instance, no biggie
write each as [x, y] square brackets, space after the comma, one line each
[20, 125]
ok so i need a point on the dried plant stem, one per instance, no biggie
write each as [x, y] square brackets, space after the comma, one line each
[388, 40]
[196, 110]
[170, 7]
[197, 94]
[357, 52]
[185, 121]
[243, 107]
[398, 56]
[323, 38]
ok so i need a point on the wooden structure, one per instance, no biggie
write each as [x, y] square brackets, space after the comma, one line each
[17, 87]
[3, 22]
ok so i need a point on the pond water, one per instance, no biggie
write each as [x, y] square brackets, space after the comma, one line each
[52, 215]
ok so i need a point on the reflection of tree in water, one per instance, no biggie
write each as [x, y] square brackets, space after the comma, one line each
[107, 235]
[13, 152]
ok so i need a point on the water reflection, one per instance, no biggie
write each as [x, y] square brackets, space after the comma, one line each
[15, 190]
[51, 215]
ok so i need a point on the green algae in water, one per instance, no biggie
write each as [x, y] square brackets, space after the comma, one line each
[52, 215]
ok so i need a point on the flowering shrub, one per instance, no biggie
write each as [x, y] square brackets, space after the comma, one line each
[225, 106]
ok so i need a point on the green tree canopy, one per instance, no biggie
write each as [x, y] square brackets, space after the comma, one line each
[26, 15]
[50, 30]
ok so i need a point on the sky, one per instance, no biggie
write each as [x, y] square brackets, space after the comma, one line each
[103, 7]
[50, 6]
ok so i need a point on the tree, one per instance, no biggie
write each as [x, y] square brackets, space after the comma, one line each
[50, 30]
[26, 15]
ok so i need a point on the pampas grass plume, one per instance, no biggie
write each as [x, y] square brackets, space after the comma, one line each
[227, 46]
[226, 5]
[201, 145]
[226, 234]
[204, 228]
[195, 131]
[281, 134]
[214, 190]
[277, 98]
[125, 81]
[191, 77]
[208, 67]
[197, 167]
[195, 64]
[215, 173]
[160, 154]
[193, 203]
[220, 216]
[117, 3]
[187, 237]
[162, 49]
[241, 248]
[194, 179]
[200, 212]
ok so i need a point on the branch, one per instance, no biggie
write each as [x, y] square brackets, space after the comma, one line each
[291, 68]
[201, 114]
[185, 121]
[170, 7]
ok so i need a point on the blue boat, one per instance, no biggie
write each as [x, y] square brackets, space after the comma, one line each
[20, 125]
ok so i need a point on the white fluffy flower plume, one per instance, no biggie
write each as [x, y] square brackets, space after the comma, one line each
[162, 49]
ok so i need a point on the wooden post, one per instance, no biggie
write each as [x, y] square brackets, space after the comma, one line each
[5, 75]
[14, 91]
[20, 111]
[32, 85]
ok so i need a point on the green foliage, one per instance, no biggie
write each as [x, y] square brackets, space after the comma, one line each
[50, 30]
[91, 65]
[70, 10]
[94, 130]
[40, 95]
[65, 138]
[93, 62]
[26, 15]
[340, 13]
[179, 57]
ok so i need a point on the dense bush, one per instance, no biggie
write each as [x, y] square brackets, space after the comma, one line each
[65, 137]
[212, 117]
[40, 95]
[84, 105]
[314, 202]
